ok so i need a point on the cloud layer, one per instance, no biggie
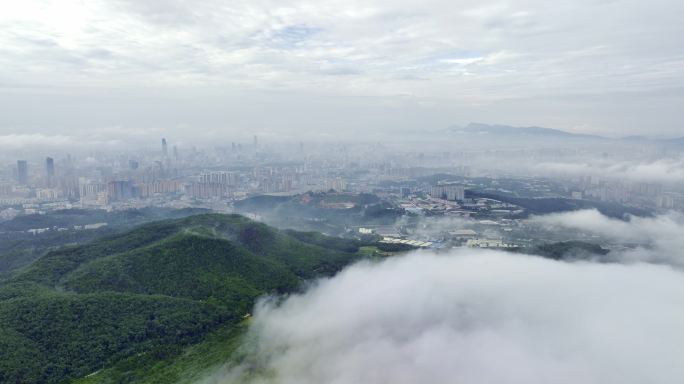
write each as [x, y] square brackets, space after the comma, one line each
[473, 317]
[432, 63]
[662, 170]
[41, 141]
[485, 316]
[658, 239]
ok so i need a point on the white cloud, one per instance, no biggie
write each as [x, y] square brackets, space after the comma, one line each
[39, 140]
[659, 238]
[661, 170]
[464, 61]
[473, 317]
[524, 50]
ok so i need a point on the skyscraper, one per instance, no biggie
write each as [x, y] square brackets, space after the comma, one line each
[50, 167]
[165, 149]
[50, 170]
[256, 142]
[22, 171]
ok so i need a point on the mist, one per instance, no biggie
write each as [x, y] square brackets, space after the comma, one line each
[342, 192]
[669, 170]
[472, 316]
[485, 316]
[656, 239]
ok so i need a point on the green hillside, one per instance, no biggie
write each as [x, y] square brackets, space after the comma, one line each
[192, 364]
[19, 247]
[143, 297]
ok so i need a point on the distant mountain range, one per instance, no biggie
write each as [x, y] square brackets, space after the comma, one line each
[678, 141]
[496, 129]
[541, 133]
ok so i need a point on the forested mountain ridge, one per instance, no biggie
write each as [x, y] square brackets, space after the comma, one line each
[26, 238]
[149, 291]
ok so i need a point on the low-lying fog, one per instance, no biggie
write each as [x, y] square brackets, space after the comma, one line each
[483, 317]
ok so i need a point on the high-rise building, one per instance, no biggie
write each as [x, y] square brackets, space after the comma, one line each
[89, 189]
[133, 165]
[22, 171]
[50, 170]
[49, 167]
[165, 149]
[337, 184]
[256, 142]
[120, 190]
[226, 178]
[448, 192]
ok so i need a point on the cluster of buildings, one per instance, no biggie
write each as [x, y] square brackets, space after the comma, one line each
[215, 177]
[635, 193]
[451, 192]
[168, 177]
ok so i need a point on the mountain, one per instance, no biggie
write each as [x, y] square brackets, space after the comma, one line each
[527, 133]
[675, 142]
[149, 292]
[19, 247]
[507, 130]
[67, 218]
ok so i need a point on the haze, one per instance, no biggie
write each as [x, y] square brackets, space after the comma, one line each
[127, 71]
[341, 192]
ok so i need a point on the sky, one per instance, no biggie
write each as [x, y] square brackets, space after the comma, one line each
[133, 68]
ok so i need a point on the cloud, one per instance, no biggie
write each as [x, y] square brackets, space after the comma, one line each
[464, 61]
[525, 53]
[661, 170]
[472, 317]
[659, 238]
[39, 140]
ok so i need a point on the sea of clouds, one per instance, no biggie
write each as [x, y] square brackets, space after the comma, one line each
[481, 317]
